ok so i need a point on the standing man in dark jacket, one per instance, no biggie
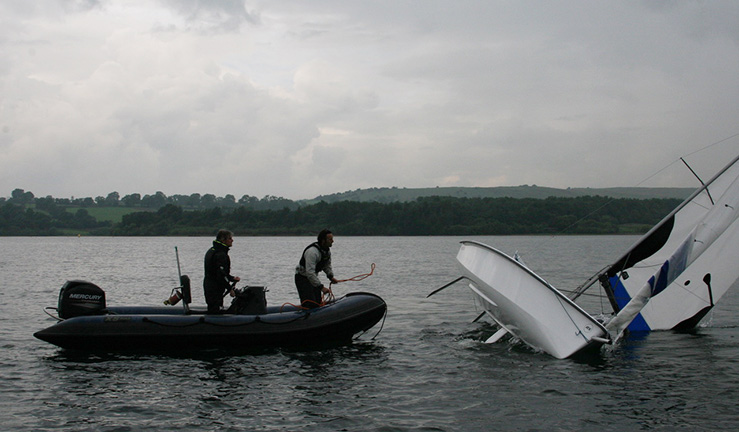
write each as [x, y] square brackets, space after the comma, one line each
[315, 258]
[218, 279]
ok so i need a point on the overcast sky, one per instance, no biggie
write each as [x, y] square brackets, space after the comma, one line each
[301, 98]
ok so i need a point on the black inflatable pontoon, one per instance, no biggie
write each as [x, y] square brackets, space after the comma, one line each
[86, 323]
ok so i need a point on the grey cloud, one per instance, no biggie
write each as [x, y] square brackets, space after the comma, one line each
[214, 15]
[295, 98]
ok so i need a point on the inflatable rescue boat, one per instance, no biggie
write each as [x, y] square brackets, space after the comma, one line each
[85, 322]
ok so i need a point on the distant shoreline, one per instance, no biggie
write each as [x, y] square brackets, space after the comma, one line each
[431, 216]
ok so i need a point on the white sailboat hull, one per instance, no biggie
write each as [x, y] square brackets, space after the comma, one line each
[526, 305]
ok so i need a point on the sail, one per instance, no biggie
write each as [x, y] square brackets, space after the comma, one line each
[674, 275]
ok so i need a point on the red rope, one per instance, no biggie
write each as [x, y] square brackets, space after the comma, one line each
[329, 297]
[359, 277]
[324, 301]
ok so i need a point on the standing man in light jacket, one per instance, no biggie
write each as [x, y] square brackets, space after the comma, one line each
[315, 258]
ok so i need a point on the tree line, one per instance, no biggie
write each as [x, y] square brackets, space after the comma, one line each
[424, 216]
[154, 201]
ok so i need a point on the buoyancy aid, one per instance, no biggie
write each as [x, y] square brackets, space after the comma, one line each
[325, 257]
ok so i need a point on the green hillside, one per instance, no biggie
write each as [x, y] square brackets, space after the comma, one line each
[394, 194]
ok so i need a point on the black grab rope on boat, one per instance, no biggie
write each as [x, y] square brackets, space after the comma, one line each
[299, 317]
[258, 320]
[381, 325]
[149, 320]
[378, 331]
[202, 320]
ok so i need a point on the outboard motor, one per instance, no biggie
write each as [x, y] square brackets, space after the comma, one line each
[78, 298]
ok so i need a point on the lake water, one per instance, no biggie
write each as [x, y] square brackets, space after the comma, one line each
[426, 371]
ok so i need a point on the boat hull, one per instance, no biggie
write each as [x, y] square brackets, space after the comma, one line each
[137, 328]
[527, 306]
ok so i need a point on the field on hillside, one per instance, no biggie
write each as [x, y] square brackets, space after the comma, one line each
[112, 214]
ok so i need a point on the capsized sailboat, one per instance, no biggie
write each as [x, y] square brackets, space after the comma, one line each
[526, 305]
[669, 280]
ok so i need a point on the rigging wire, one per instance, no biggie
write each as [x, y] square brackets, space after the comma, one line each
[564, 309]
[678, 160]
[582, 294]
[711, 145]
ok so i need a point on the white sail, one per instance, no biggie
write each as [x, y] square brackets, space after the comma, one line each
[673, 276]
